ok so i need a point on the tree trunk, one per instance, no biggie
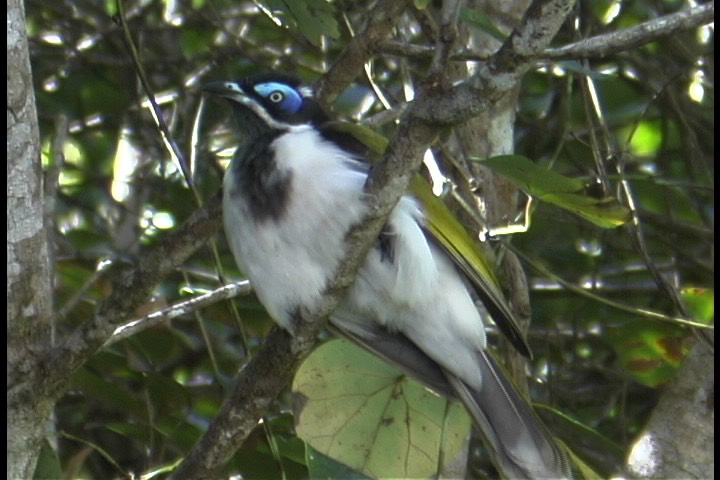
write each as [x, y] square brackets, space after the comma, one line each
[679, 439]
[29, 273]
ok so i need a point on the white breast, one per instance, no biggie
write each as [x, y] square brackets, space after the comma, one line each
[288, 261]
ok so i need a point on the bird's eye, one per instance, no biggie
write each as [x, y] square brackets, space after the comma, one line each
[284, 98]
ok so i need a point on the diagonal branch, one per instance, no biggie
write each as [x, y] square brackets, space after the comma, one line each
[633, 37]
[592, 47]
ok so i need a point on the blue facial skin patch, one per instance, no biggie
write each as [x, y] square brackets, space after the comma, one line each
[283, 96]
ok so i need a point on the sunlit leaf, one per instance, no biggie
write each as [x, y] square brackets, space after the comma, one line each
[360, 411]
[565, 192]
[701, 302]
[646, 138]
[651, 352]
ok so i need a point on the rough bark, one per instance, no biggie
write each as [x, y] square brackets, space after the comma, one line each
[29, 273]
[679, 439]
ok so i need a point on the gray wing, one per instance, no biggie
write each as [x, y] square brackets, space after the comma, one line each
[398, 350]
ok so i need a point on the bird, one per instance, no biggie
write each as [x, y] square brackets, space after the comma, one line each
[292, 191]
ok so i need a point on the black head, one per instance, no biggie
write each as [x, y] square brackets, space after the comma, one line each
[276, 100]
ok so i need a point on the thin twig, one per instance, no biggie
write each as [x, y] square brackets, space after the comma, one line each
[594, 47]
[633, 37]
[185, 307]
[170, 143]
[605, 301]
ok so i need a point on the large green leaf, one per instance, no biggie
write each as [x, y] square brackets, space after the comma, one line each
[564, 192]
[358, 410]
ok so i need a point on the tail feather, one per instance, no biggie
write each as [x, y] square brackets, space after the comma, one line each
[520, 445]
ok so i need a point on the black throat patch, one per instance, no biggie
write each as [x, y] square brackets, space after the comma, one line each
[257, 180]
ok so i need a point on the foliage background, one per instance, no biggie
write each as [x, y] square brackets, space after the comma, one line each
[142, 402]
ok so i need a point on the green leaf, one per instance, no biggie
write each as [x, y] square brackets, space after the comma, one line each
[481, 20]
[156, 344]
[362, 412]
[314, 18]
[650, 351]
[647, 138]
[195, 42]
[48, 464]
[592, 439]
[322, 466]
[108, 393]
[605, 212]
[586, 471]
[701, 302]
[564, 192]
